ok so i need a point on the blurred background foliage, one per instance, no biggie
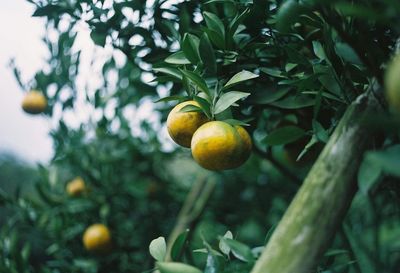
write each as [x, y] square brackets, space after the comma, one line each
[312, 57]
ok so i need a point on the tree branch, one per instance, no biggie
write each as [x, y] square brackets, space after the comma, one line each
[310, 222]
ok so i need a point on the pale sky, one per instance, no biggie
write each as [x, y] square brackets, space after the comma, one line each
[22, 134]
[26, 135]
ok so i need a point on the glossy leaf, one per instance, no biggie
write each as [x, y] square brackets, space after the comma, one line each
[223, 246]
[368, 175]
[214, 23]
[197, 80]
[169, 71]
[158, 248]
[239, 250]
[284, 135]
[207, 54]
[178, 245]
[190, 47]
[240, 77]
[227, 99]
[177, 58]
[173, 267]
[294, 102]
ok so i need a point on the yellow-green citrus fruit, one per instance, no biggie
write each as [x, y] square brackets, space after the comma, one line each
[246, 144]
[182, 125]
[217, 145]
[97, 238]
[34, 102]
[76, 187]
[392, 83]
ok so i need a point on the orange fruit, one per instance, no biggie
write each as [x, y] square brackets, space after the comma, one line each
[218, 145]
[392, 83]
[247, 143]
[34, 102]
[76, 187]
[97, 238]
[182, 125]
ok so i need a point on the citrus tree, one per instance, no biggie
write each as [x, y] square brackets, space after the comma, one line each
[309, 88]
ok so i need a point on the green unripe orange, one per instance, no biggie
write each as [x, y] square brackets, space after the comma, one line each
[392, 83]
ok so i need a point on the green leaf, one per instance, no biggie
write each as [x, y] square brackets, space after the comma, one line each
[79, 206]
[99, 38]
[358, 11]
[347, 53]
[223, 246]
[215, 38]
[288, 14]
[173, 267]
[361, 253]
[290, 66]
[227, 99]
[234, 122]
[240, 77]
[219, 1]
[335, 252]
[284, 135]
[308, 146]
[274, 72]
[177, 58]
[234, 24]
[207, 251]
[49, 10]
[207, 54]
[169, 71]
[239, 250]
[319, 50]
[197, 80]
[158, 248]
[190, 108]
[214, 23]
[212, 265]
[320, 131]
[179, 244]
[205, 105]
[190, 46]
[327, 79]
[388, 160]
[294, 102]
[368, 175]
[170, 98]
[269, 95]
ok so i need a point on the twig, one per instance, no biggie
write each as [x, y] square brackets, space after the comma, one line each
[192, 209]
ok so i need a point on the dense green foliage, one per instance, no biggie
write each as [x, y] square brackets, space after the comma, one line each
[288, 69]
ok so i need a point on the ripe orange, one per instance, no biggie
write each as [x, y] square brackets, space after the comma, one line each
[34, 102]
[247, 144]
[97, 238]
[218, 145]
[392, 83]
[76, 187]
[181, 126]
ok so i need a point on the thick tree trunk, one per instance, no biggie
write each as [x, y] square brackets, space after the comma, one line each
[310, 222]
